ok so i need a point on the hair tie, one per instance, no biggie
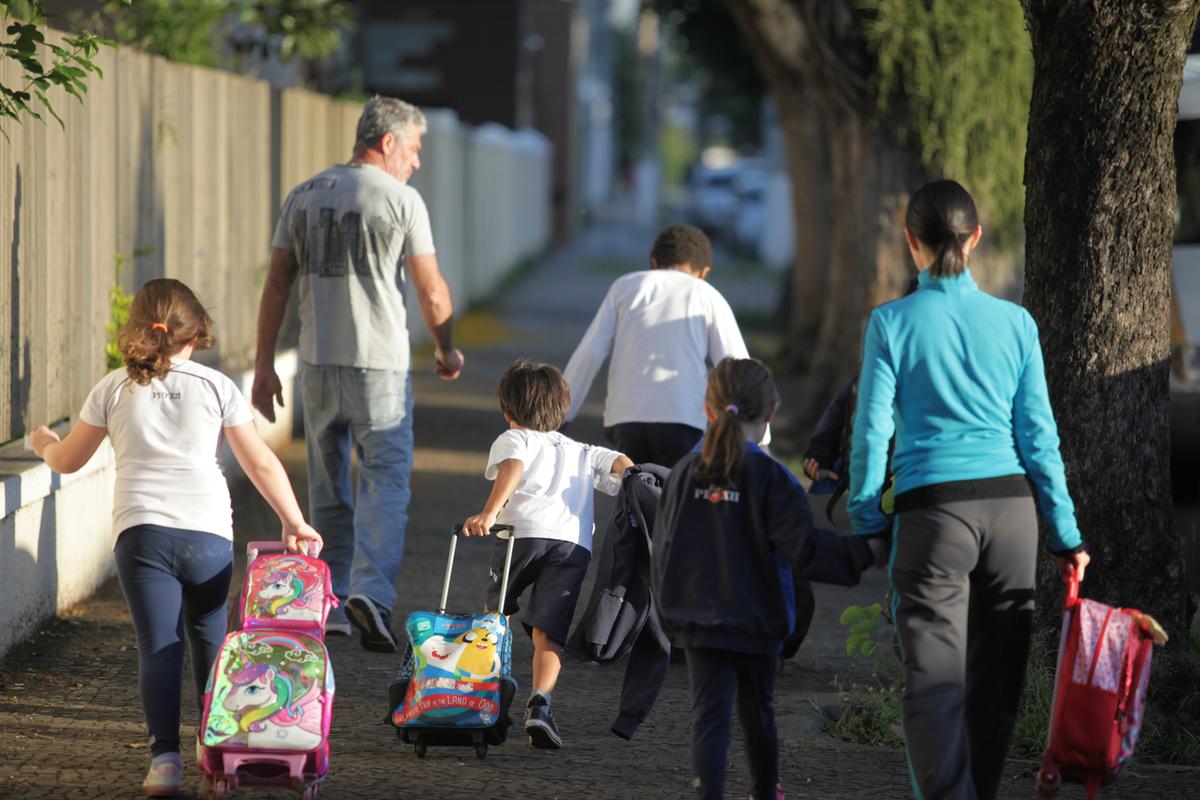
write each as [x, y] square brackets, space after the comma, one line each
[732, 409]
[159, 326]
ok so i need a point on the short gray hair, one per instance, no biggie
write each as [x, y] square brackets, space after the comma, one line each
[386, 115]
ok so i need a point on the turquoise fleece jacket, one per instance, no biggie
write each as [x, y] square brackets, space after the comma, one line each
[957, 375]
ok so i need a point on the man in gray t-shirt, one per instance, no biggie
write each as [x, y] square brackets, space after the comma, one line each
[352, 236]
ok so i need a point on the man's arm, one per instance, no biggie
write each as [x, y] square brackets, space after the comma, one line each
[280, 276]
[433, 295]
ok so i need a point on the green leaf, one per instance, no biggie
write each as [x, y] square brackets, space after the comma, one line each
[865, 626]
[869, 647]
[851, 615]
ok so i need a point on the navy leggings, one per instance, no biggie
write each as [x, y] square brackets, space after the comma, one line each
[715, 677]
[175, 582]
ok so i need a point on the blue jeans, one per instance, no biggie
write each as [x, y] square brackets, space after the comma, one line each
[363, 530]
[175, 583]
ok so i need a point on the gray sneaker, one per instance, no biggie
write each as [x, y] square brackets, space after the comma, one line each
[372, 620]
[337, 623]
[164, 777]
[540, 724]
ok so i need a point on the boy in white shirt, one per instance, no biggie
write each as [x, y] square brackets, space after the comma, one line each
[664, 327]
[543, 488]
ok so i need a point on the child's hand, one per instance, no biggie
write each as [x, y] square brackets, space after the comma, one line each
[881, 547]
[302, 539]
[813, 470]
[42, 437]
[479, 525]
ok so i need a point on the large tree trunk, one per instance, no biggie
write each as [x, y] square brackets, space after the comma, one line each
[807, 155]
[850, 251]
[1100, 199]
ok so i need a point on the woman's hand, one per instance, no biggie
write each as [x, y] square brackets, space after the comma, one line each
[480, 524]
[42, 437]
[302, 539]
[1078, 561]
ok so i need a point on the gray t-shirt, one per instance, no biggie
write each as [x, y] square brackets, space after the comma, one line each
[349, 227]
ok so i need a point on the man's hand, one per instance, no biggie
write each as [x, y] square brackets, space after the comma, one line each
[449, 363]
[1078, 560]
[40, 438]
[479, 525]
[266, 391]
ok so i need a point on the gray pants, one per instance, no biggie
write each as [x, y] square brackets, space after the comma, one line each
[963, 575]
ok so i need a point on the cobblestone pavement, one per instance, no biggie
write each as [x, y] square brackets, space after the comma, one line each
[70, 722]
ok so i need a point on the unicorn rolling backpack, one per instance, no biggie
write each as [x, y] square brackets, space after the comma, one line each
[269, 699]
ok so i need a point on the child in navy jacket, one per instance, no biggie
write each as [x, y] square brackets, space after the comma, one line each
[733, 530]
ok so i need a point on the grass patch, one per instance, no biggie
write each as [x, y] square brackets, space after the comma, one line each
[1167, 737]
[871, 713]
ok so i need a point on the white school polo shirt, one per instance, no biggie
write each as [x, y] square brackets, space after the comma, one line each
[554, 498]
[166, 437]
[664, 329]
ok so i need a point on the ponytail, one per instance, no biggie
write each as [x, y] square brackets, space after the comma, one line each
[942, 216]
[164, 317]
[950, 260]
[723, 450]
[739, 390]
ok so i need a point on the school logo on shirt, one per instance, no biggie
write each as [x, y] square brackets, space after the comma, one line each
[166, 395]
[714, 494]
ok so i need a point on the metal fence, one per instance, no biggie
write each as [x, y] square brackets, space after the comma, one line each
[172, 170]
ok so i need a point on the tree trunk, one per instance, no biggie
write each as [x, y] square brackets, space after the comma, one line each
[808, 172]
[1100, 199]
[869, 264]
[812, 59]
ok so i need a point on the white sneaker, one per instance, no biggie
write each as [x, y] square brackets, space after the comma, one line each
[164, 776]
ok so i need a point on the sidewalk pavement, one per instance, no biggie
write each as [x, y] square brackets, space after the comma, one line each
[70, 720]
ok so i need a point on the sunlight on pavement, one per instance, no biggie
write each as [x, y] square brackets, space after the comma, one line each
[451, 462]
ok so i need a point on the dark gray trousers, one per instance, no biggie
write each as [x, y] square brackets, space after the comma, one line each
[963, 576]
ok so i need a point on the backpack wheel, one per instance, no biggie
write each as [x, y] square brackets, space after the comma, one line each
[481, 749]
[1048, 783]
[419, 749]
[310, 792]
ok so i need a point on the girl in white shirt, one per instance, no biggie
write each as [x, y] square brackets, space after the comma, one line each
[172, 519]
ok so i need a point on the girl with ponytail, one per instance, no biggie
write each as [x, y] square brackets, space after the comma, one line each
[734, 529]
[172, 519]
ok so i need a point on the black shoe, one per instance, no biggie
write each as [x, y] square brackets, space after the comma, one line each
[540, 724]
[372, 621]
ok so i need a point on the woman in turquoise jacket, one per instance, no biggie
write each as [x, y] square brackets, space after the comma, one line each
[957, 376]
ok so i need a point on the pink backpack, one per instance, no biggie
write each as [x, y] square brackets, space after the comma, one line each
[285, 591]
[1099, 693]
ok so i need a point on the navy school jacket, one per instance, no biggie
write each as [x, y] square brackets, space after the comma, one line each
[724, 559]
[620, 617]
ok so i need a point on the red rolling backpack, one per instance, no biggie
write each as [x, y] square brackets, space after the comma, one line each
[1099, 692]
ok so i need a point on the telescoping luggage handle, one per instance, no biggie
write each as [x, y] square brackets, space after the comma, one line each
[273, 546]
[496, 529]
